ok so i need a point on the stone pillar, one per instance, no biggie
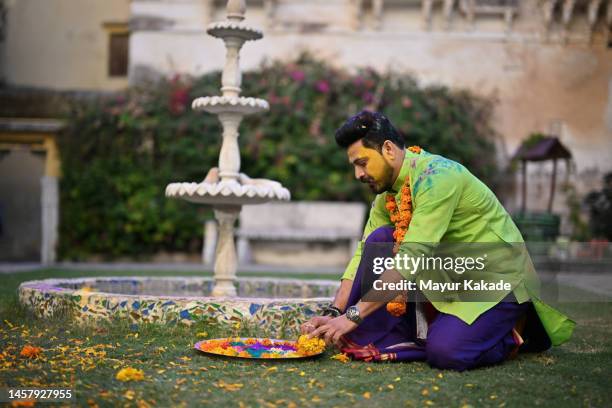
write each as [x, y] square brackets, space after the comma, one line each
[270, 12]
[49, 219]
[225, 260]
[210, 242]
[377, 11]
[229, 157]
[357, 15]
[50, 202]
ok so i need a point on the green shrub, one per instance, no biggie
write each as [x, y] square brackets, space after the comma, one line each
[119, 152]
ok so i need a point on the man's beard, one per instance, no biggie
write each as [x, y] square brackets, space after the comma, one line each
[384, 185]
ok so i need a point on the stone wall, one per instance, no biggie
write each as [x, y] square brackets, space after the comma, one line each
[550, 74]
[60, 44]
[547, 63]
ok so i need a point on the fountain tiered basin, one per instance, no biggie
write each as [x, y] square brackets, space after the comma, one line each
[271, 304]
[229, 192]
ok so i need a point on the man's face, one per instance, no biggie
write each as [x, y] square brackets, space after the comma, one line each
[370, 167]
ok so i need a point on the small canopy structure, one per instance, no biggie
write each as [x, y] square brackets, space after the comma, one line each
[541, 148]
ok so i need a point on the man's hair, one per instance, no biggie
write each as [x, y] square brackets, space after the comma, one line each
[372, 128]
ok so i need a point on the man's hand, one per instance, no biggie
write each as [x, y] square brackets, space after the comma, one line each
[334, 329]
[313, 323]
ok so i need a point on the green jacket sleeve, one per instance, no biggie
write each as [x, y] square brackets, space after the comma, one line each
[377, 218]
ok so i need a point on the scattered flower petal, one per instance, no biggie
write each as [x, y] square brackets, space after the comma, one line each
[130, 374]
[30, 351]
[343, 358]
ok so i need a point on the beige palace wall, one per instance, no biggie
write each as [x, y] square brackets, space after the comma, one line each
[60, 44]
[540, 84]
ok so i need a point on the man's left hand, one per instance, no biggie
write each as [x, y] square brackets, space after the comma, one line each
[334, 329]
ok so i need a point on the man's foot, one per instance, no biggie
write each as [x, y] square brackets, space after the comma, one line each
[516, 335]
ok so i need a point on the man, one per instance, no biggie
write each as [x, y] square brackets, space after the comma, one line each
[442, 203]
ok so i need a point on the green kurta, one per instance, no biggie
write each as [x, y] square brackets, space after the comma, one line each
[452, 205]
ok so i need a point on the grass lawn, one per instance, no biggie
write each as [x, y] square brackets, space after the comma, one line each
[87, 359]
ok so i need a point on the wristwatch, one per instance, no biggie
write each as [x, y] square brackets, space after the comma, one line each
[352, 313]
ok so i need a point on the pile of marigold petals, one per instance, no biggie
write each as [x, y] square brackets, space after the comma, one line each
[263, 348]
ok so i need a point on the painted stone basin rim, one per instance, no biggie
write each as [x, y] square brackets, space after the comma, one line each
[271, 303]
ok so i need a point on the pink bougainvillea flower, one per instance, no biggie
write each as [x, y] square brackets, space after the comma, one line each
[297, 75]
[406, 102]
[322, 86]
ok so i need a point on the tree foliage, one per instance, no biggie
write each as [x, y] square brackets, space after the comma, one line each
[119, 152]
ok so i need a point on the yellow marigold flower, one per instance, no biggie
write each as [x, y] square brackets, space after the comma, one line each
[30, 351]
[343, 358]
[309, 347]
[130, 374]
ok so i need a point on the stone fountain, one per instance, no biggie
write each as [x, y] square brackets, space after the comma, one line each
[225, 188]
[272, 304]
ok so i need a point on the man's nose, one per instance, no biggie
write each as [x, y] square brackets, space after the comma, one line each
[359, 173]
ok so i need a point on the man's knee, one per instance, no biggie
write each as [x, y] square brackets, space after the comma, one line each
[380, 234]
[445, 354]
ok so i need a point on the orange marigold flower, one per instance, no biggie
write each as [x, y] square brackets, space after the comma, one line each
[30, 351]
[415, 149]
[23, 403]
[396, 308]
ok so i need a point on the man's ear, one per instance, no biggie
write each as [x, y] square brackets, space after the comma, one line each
[388, 150]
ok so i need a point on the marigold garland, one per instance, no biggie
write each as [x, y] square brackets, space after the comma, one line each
[401, 219]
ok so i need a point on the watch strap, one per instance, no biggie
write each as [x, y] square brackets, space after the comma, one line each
[332, 311]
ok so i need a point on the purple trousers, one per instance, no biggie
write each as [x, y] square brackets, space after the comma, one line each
[451, 343]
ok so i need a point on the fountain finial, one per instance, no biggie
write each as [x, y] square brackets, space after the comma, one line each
[235, 10]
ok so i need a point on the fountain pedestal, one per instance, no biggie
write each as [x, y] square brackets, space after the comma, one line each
[225, 260]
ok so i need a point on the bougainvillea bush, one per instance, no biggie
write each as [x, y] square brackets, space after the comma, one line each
[120, 151]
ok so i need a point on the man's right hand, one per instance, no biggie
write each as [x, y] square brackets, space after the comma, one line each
[313, 323]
